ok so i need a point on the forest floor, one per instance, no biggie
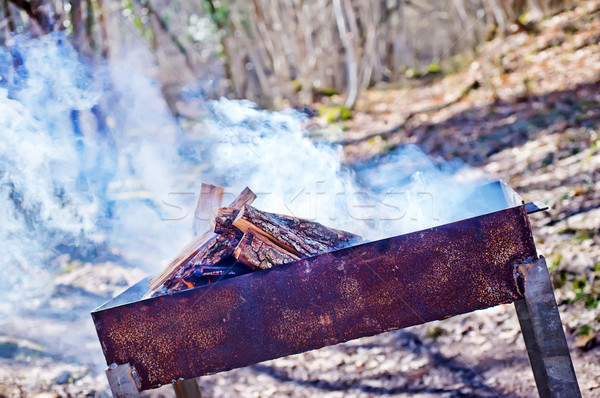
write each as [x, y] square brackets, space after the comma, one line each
[527, 111]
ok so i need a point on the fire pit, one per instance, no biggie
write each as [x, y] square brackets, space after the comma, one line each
[334, 297]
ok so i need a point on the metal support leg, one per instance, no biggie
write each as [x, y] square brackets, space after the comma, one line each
[544, 336]
[122, 380]
[187, 389]
[123, 383]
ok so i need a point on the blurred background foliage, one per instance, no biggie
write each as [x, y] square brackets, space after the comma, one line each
[281, 53]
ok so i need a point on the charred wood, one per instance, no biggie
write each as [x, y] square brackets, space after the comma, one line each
[212, 253]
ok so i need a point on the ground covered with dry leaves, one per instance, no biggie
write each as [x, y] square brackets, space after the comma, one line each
[527, 110]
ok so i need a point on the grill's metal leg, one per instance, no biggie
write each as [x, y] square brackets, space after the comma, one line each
[187, 389]
[535, 356]
[122, 381]
[544, 336]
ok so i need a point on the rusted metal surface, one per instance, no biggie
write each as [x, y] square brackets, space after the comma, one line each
[543, 333]
[319, 301]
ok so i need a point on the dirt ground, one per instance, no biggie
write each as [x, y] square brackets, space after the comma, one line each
[527, 110]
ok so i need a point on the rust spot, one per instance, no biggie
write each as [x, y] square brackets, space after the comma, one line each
[325, 320]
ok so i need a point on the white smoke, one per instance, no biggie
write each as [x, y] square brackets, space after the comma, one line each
[92, 160]
[86, 152]
[271, 153]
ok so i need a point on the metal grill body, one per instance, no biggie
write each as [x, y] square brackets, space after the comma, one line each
[323, 300]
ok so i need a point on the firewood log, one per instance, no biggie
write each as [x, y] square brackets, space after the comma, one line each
[259, 252]
[333, 238]
[192, 248]
[212, 252]
[297, 236]
[216, 249]
[245, 197]
[240, 236]
[221, 221]
[211, 196]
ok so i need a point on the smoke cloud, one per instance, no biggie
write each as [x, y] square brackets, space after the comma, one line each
[270, 152]
[92, 163]
[87, 151]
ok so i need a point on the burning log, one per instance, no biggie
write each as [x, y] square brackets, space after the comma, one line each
[242, 238]
[205, 275]
[215, 251]
[192, 249]
[188, 252]
[260, 253]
